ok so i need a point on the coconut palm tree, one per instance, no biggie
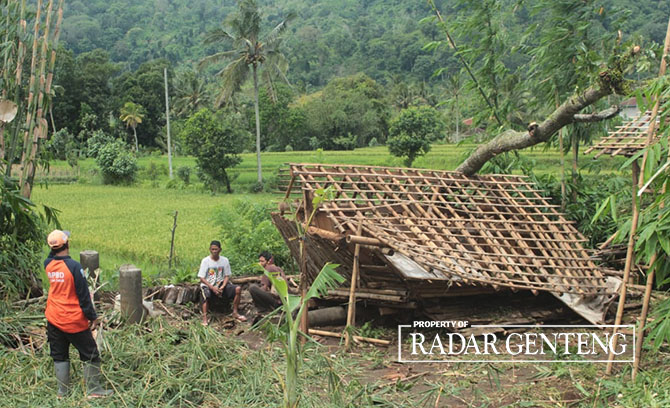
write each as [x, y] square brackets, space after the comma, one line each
[132, 114]
[249, 52]
[191, 93]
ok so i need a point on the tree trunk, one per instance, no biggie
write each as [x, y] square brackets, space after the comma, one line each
[137, 147]
[226, 180]
[575, 164]
[564, 115]
[258, 126]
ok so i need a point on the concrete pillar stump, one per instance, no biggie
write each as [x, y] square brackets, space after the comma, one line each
[130, 289]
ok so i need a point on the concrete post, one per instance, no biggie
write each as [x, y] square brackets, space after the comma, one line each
[90, 259]
[130, 289]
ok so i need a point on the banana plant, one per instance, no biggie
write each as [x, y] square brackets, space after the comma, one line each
[289, 327]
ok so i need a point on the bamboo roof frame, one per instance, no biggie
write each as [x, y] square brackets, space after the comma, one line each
[492, 230]
[626, 140]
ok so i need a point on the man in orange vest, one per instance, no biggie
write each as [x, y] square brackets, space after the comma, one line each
[70, 317]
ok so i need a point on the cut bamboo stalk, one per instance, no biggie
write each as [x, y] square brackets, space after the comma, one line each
[360, 240]
[351, 310]
[325, 234]
[356, 338]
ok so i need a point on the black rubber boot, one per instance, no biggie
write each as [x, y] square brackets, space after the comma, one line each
[62, 370]
[92, 378]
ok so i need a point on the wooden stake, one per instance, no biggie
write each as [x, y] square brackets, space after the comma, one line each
[351, 310]
[174, 227]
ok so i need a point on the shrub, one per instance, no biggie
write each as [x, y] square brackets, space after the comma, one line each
[257, 187]
[288, 148]
[117, 164]
[373, 142]
[154, 171]
[22, 235]
[184, 174]
[247, 230]
[61, 142]
[96, 141]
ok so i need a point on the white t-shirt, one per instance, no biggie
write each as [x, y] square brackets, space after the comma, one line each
[214, 271]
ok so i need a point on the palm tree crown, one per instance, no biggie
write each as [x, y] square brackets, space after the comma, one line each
[249, 52]
[132, 114]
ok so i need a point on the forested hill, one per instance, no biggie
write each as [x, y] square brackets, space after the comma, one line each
[329, 38]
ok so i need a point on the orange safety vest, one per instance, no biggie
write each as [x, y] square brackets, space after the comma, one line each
[63, 307]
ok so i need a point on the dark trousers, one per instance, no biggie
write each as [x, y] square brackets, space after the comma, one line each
[59, 342]
[264, 301]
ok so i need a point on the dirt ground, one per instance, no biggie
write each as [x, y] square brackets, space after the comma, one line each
[461, 384]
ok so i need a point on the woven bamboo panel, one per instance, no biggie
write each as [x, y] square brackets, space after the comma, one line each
[626, 140]
[492, 230]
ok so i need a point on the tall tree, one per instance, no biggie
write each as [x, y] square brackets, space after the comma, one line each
[190, 93]
[132, 114]
[216, 143]
[250, 51]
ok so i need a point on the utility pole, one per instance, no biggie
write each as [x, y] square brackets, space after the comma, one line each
[167, 116]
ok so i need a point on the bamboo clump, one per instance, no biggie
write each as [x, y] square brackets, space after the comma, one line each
[31, 95]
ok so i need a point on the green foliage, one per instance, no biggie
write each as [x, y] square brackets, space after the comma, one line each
[216, 144]
[282, 124]
[289, 328]
[117, 164]
[62, 144]
[412, 131]
[652, 242]
[591, 191]
[184, 174]
[348, 113]
[144, 87]
[247, 230]
[96, 141]
[22, 236]
[153, 171]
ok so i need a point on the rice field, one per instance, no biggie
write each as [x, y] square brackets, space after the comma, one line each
[134, 225]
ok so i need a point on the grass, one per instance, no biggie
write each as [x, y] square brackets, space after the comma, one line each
[180, 363]
[441, 157]
[133, 225]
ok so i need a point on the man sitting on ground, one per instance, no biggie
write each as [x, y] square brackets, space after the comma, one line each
[214, 277]
[264, 299]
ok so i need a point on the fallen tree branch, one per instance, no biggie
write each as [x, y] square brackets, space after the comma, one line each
[599, 116]
[610, 81]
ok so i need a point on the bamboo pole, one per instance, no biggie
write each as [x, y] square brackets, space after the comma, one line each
[629, 262]
[639, 340]
[39, 126]
[356, 338]
[31, 92]
[351, 310]
[360, 240]
[21, 48]
[650, 275]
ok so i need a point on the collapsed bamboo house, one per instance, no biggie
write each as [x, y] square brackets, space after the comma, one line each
[433, 234]
[626, 140]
